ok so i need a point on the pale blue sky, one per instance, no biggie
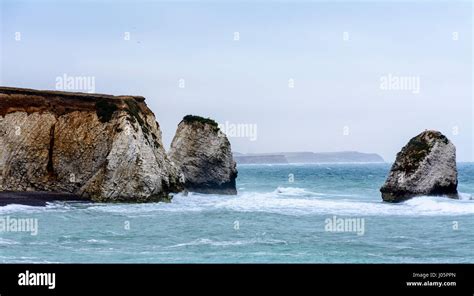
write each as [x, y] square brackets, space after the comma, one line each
[246, 81]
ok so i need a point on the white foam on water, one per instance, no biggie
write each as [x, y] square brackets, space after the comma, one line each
[210, 242]
[4, 241]
[295, 191]
[465, 196]
[13, 208]
[282, 200]
[180, 203]
[60, 206]
[274, 203]
[297, 201]
[97, 241]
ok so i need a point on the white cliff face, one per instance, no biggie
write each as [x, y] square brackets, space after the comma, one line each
[425, 166]
[203, 154]
[135, 166]
[100, 147]
[17, 131]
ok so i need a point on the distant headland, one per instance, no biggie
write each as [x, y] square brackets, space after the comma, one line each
[307, 157]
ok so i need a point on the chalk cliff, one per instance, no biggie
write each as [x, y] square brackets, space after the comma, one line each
[102, 147]
[203, 154]
[425, 166]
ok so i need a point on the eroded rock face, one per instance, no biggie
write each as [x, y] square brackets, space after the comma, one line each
[425, 166]
[203, 154]
[106, 148]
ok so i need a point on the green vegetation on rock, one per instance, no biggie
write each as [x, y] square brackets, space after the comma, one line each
[194, 118]
[416, 150]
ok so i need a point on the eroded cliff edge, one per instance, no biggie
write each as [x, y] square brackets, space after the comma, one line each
[102, 147]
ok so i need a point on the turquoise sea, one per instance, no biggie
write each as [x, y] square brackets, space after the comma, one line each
[280, 215]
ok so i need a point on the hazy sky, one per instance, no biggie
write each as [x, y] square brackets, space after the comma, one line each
[336, 54]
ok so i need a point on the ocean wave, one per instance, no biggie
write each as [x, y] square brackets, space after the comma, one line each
[205, 241]
[4, 241]
[13, 208]
[436, 205]
[295, 191]
[59, 206]
[297, 201]
[420, 206]
[191, 202]
[281, 200]
[97, 241]
[465, 196]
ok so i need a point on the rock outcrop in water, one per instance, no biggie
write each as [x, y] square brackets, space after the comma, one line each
[203, 154]
[102, 147]
[425, 166]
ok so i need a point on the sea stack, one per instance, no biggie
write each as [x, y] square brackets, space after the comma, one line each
[425, 166]
[102, 147]
[203, 154]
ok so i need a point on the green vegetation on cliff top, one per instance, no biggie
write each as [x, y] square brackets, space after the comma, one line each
[193, 118]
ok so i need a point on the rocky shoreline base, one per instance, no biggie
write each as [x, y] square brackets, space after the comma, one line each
[36, 198]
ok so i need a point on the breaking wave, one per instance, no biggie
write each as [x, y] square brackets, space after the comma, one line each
[282, 200]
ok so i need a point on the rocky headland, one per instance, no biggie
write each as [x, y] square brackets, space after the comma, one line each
[100, 147]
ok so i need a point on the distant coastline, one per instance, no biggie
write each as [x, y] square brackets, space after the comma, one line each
[307, 157]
